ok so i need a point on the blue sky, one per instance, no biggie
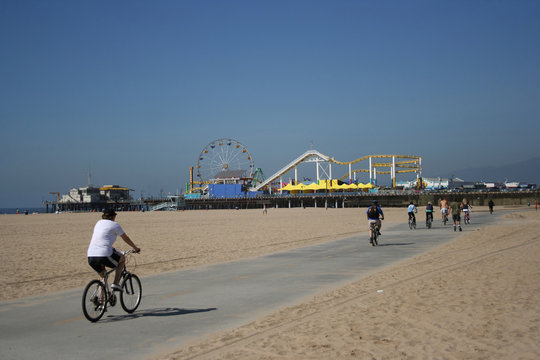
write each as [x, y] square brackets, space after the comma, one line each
[134, 90]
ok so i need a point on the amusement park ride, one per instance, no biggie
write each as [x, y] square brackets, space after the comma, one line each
[227, 161]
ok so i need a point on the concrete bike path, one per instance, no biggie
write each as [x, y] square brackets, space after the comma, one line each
[182, 305]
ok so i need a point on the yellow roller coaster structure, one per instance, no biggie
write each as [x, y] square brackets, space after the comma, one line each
[398, 164]
[406, 166]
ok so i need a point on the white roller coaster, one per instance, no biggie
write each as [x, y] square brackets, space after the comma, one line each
[398, 164]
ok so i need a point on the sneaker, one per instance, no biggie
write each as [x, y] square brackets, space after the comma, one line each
[460, 229]
[116, 287]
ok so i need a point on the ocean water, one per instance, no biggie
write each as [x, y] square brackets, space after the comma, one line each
[22, 210]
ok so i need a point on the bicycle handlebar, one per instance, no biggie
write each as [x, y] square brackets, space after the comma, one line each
[129, 252]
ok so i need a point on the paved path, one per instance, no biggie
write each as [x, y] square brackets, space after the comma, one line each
[183, 305]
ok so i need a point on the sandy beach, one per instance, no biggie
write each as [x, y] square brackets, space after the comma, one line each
[473, 298]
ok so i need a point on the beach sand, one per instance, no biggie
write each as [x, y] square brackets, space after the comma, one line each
[473, 298]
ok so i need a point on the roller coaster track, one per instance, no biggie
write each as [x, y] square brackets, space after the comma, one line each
[411, 165]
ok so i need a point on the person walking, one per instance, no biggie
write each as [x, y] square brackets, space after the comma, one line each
[455, 210]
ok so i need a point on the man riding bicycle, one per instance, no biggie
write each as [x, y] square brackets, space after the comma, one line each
[444, 208]
[101, 253]
[429, 212]
[411, 210]
[374, 216]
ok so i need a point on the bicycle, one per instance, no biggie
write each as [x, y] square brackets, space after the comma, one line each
[412, 223]
[98, 294]
[445, 218]
[467, 217]
[429, 221]
[374, 233]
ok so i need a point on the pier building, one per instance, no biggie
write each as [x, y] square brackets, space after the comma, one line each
[94, 198]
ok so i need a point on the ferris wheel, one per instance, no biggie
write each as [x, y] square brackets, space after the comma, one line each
[224, 156]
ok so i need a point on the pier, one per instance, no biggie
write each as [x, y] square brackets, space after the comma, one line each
[386, 198]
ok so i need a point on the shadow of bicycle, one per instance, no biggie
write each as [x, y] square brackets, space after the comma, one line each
[395, 244]
[155, 313]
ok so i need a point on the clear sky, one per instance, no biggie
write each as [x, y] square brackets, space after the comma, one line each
[134, 90]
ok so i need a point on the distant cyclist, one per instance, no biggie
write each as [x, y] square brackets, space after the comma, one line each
[411, 210]
[455, 208]
[466, 207]
[444, 208]
[374, 215]
[429, 212]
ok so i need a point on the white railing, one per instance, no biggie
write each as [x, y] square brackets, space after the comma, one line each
[163, 205]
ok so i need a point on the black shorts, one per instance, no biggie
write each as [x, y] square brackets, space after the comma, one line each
[456, 217]
[98, 263]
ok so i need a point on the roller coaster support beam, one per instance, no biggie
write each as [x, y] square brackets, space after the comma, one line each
[419, 174]
[330, 169]
[370, 171]
[393, 171]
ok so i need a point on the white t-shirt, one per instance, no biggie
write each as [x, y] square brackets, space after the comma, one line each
[105, 233]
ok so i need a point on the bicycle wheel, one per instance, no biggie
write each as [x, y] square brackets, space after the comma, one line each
[94, 300]
[375, 236]
[130, 297]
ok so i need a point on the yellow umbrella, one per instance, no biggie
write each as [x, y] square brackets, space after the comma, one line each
[315, 186]
[288, 187]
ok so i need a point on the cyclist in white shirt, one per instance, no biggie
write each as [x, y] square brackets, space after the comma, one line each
[101, 254]
[411, 210]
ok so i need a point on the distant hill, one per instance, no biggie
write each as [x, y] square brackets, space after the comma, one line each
[527, 171]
